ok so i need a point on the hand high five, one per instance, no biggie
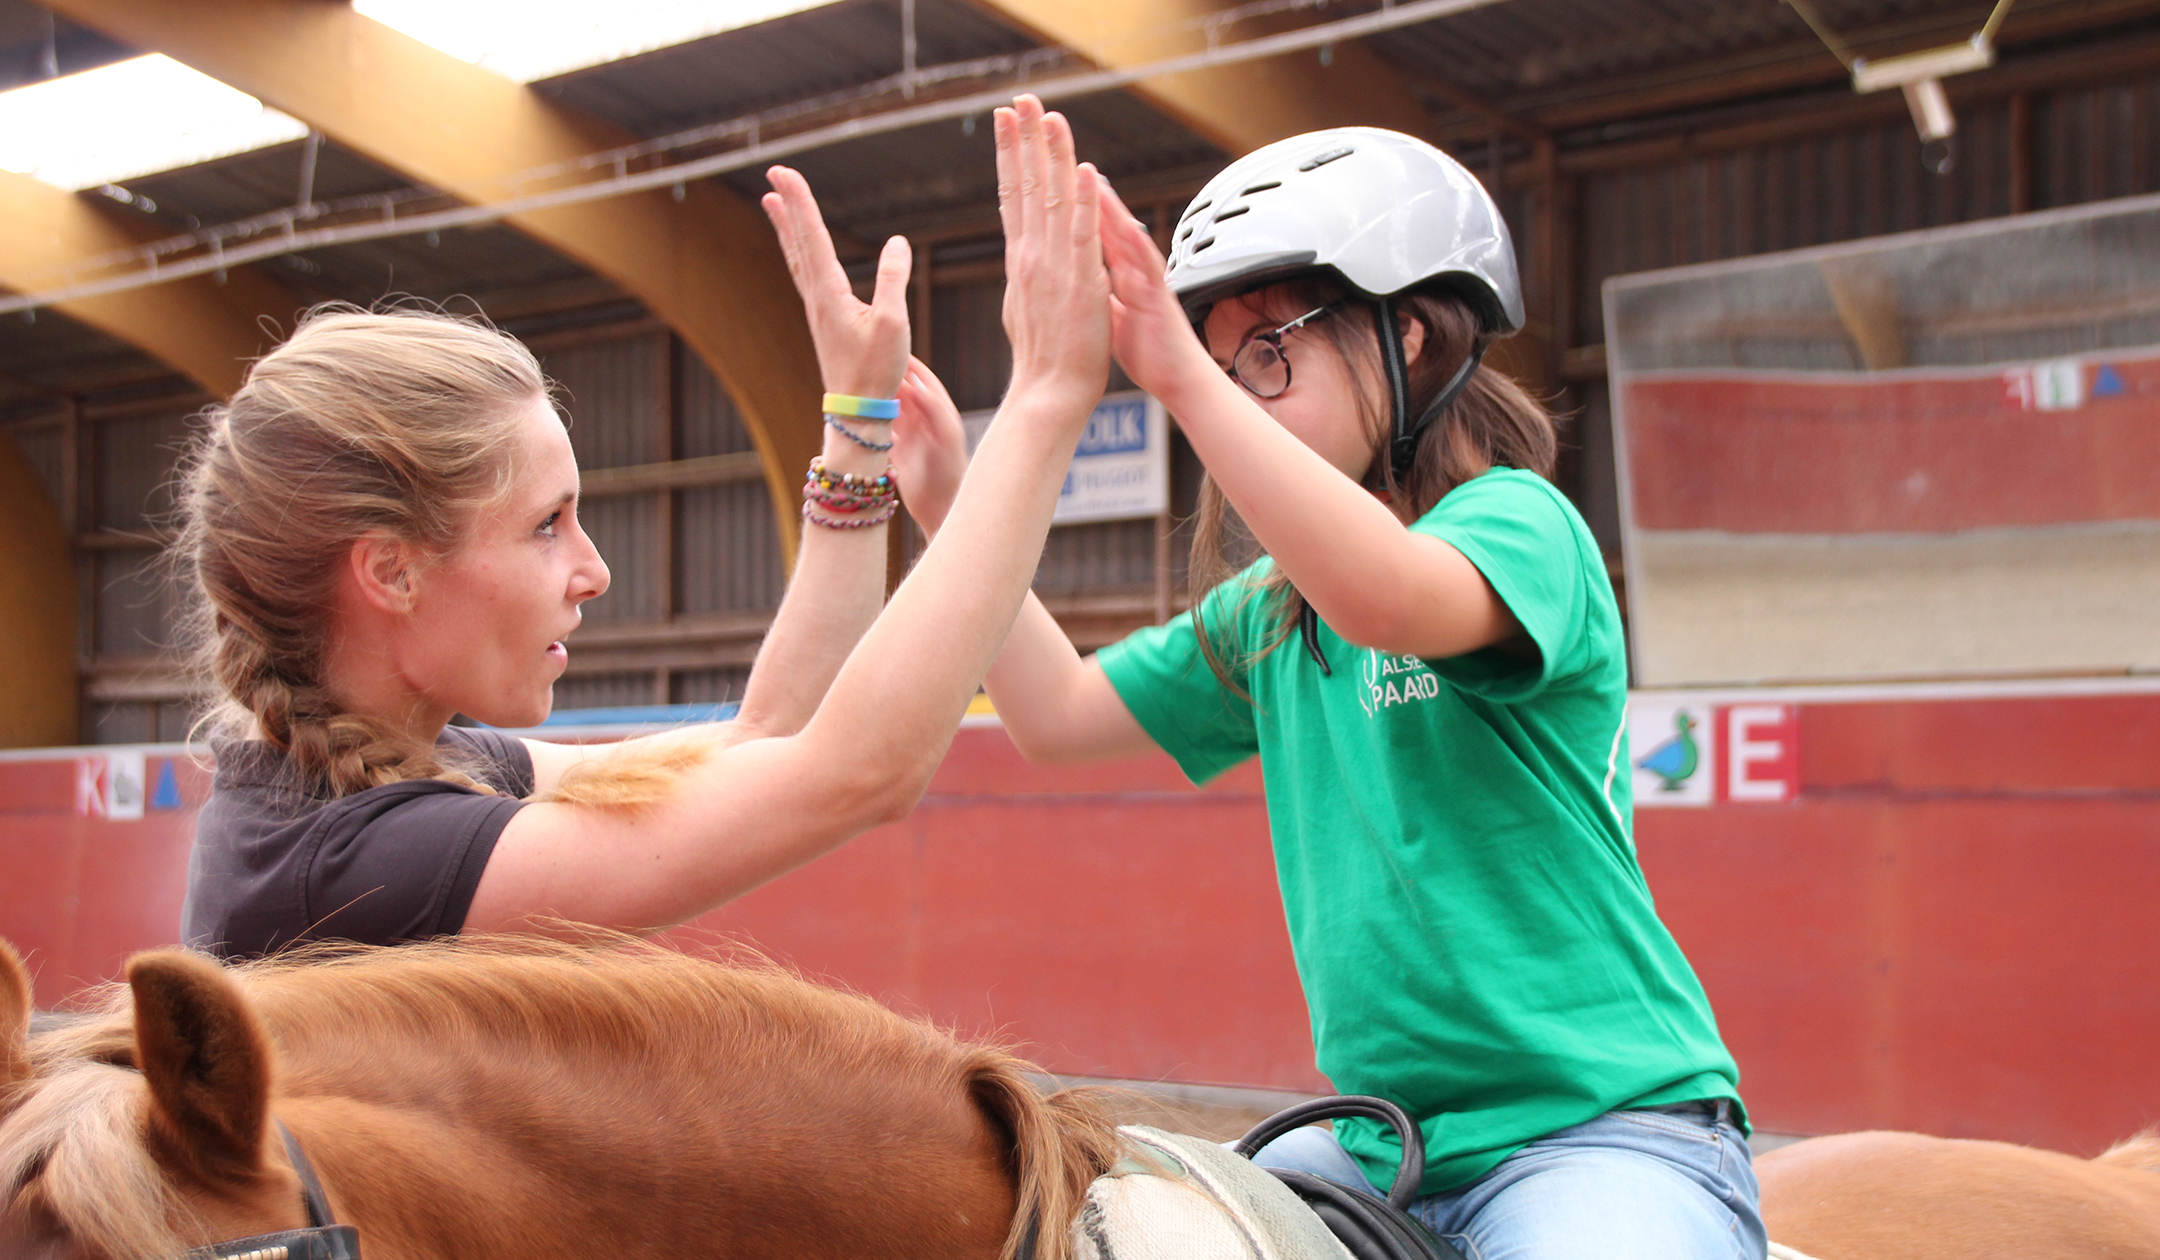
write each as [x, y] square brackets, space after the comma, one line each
[1057, 294]
[861, 349]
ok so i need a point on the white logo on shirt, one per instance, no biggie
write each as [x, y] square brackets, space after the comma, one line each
[1391, 680]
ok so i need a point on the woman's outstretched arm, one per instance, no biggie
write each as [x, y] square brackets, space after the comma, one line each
[838, 583]
[760, 807]
[1056, 705]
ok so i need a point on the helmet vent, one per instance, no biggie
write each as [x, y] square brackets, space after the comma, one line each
[1203, 245]
[1194, 212]
[1233, 212]
[1262, 187]
[1319, 160]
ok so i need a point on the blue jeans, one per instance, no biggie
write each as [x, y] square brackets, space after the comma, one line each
[1629, 1185]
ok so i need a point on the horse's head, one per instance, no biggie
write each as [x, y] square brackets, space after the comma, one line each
[141, 1133]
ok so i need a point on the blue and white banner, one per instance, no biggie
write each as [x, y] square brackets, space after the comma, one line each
[1121, 469]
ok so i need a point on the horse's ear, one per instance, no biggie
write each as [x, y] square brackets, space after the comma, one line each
[14, 1024]
[206, 1063]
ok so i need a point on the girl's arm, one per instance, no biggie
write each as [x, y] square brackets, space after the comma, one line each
[1373, 581]
[1056, 706]
[839, 580]
[748, 812]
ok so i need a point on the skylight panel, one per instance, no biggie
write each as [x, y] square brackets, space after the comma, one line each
[131, 118]
[526, 40]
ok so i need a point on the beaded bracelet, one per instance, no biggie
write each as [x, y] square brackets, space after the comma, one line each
[858, 483]
[851, 435]
[862, 408]
[859, 522]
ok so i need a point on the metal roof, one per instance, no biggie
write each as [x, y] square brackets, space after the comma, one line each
[1537, 59]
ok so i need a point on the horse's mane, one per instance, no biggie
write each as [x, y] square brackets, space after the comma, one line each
[77, 1136]
[2141, 1152]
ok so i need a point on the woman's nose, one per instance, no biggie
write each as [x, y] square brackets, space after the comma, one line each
[592, 576]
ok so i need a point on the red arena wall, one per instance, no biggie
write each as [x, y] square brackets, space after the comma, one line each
[1947, 926]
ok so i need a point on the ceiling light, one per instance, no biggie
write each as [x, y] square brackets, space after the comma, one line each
[128, 119]
[526, 40]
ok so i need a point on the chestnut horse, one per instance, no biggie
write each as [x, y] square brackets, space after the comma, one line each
[1902, 1196]
[521, 1100]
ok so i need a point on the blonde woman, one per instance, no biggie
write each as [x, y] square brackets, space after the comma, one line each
[383, 526]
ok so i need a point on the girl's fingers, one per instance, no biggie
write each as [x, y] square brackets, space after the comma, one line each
[1087, 207]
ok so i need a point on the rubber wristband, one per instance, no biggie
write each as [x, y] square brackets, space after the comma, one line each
[862, 408]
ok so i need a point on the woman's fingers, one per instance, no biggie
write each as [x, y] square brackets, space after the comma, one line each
[1030, 112]
[1085, 229]
[1059, 178]
[895, 263]
[1005, 124]
[808, 245]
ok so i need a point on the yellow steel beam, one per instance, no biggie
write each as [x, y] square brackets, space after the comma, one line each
[707, 264]
[1239, 107]
[205, 330]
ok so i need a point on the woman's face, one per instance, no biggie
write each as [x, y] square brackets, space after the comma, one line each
[1321, 406]
[486, 630]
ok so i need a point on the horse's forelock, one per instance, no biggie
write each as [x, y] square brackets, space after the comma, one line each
[74, 1147]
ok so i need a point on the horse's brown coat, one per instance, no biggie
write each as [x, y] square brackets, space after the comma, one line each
[1904, 1196]
[531, 1101]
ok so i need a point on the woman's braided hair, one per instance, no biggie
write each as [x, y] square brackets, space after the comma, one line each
[399, 422]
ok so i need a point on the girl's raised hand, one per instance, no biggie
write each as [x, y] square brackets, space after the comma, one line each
[861, 349]
[929, 453]
[1154, 341]
[1057, 293]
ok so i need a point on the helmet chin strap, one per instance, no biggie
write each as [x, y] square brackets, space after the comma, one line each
[1402, 450]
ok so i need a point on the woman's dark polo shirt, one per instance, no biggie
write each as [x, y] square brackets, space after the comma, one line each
[275, 863]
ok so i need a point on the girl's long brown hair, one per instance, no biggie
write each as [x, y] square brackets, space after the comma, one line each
[1492, 422]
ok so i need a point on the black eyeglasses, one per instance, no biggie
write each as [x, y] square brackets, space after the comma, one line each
[1261, 365]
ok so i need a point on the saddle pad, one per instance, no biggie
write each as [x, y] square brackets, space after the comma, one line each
[1780, 1252]
[1174, 1197]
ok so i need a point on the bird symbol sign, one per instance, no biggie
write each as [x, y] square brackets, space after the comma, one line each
[1691, 753]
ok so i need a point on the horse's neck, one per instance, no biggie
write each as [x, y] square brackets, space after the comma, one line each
[479, 1162]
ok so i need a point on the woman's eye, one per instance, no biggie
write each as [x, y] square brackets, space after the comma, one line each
[548, 526]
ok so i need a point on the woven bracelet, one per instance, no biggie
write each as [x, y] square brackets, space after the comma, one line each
[860, 522]
[833, 421]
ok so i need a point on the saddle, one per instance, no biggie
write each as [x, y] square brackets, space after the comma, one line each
[1178, 1197]
[1368, 1227]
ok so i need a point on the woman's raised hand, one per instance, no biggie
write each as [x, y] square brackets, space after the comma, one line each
[1155, 343]
[1057, 294]
[861, 349]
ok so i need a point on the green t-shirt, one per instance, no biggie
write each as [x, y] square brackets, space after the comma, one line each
[1454, 844]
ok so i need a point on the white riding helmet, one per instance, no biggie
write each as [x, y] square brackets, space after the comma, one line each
[1384, 211]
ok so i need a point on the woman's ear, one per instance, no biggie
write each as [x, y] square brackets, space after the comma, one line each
[382, 568]
[206, 1063]
[1413, 340]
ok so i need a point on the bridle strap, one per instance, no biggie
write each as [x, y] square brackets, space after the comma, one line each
[323, 1239]
[311, 1191]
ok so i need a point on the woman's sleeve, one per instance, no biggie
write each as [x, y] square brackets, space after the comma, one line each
[398, 863]
[1167, 682]
[1525, 539]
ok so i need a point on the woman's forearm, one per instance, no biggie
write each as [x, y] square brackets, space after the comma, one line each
[833, 595]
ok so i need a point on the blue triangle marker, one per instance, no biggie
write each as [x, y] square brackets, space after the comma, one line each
[2108, 383]
[167, 795]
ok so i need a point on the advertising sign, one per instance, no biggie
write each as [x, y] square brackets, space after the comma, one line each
[1121, 469]
[1694, 753]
